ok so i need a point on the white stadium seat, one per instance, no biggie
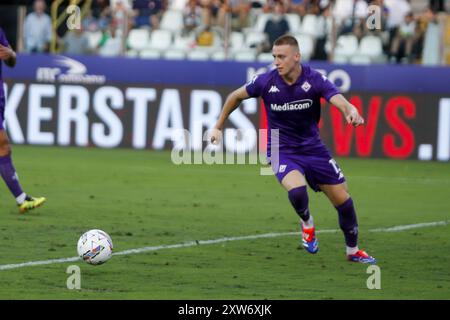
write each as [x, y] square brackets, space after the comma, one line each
[220, 56]
[132, 54]
[346, 45]
[306, 44]
[309, 25]
[261, 21]
[160, 40]
[371, 46]
[183, 43]
[174, 54]
[172, 20]
[150, 54]
[254, 38]
[111, 48]
[138, 39]
[245, 56]
[93, 39]
[360, 59]
[236, 41]
[340, 59]
[198, 55]
[265, 57]
[294, 22]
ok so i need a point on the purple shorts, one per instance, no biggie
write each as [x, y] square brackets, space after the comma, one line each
[317, 170]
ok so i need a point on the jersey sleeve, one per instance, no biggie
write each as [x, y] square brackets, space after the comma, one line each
[326, 88]
[255, 86]
[3, 41]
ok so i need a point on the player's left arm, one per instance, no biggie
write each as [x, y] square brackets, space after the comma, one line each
[349, 111]
[8, 55]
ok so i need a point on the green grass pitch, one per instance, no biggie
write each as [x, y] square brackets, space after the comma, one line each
[141, 199]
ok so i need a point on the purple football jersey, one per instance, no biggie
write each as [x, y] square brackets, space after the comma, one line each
[3, 42]
[294, 109]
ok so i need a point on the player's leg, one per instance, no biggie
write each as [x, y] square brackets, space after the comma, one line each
[295, 184]
[340, 198]
[9, 175]
[7, 170]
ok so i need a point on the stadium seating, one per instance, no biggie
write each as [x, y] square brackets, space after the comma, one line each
[246, 43]
[93, 39]
[111, 48]
[346, 46]
[160, 40]
[306, 43]
[150, 54]
[138, 38]
[260, 23]
[339, 59]
[174, 55]
[236, 41]
[183, 43]
[254, 38]
[198, 54]
[309, 25]
[294, 22]
[360, 59]
[245, 56]
[218, 56]
[372, 47]
[132, 54]
[265, 57]
[172, 20]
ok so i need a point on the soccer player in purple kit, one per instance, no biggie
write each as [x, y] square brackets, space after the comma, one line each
[7, 170]
[291, 93]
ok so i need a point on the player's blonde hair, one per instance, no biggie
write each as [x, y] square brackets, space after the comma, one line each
[287, 40]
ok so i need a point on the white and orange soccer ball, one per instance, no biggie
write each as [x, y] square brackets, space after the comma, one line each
[95, 247]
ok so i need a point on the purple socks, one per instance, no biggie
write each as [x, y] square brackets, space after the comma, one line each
[348, 222]
[299, 200]
[9, 175]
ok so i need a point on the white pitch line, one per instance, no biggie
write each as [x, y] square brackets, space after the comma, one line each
[411, 226]
[215, 241]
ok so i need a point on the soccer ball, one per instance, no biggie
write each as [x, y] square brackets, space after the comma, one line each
[95, 247]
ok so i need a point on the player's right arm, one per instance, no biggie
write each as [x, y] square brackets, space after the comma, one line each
[233, 101]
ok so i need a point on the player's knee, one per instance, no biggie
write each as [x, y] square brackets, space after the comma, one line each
[341, 197]
[293, 179]
[338, 195]
[299, 200]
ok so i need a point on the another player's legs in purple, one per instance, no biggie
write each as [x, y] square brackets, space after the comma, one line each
[7, 170]
[9, 175]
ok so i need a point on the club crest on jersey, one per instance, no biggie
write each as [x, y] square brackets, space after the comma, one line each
[306, 86]
[274, 89]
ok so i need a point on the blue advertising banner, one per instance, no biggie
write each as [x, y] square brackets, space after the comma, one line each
[144, 104]
[96, 70]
